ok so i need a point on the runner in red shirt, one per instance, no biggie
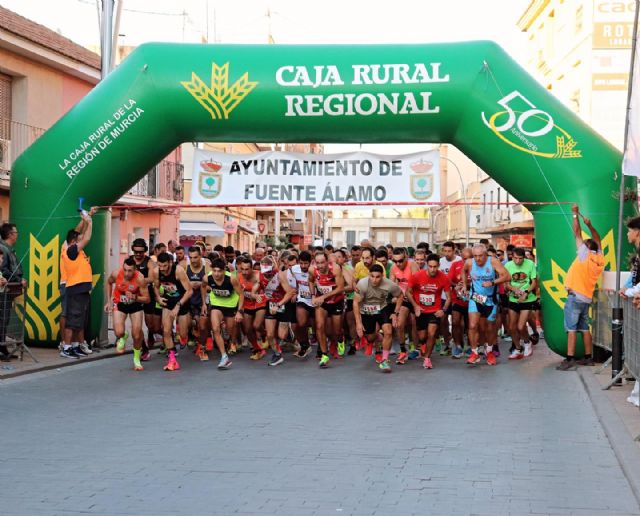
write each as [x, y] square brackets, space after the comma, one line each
[425, 293]
[460, 305]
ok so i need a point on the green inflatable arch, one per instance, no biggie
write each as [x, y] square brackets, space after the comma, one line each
[470, 94]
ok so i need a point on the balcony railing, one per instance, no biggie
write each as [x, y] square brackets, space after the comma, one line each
[14, 140]
[164, 181]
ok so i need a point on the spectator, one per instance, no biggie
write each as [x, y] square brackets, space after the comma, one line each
[580, 282]
[158, 249]
[171, 249]
[632, 286]
[11, 271]
[79, 285]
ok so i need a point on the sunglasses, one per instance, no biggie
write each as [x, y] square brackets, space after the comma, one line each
[398, 261]
[138, 252]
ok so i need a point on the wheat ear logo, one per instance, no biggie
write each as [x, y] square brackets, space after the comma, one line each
[219, 99]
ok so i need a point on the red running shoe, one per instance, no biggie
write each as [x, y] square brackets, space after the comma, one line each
[491, 358]
[473, 359]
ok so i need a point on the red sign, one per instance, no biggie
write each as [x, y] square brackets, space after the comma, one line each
[521, 241]
[262, 228]
[308, 239]
[231, 226]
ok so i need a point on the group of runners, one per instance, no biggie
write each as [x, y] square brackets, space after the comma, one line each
[381, 301]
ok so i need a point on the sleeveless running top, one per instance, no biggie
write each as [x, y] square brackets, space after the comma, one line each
[247, 287]
[125, 291]
[325, 283]
[223, 295]
[480, 274]
[196, 298]
[402, 276]
[171, 288]
[272, 288]
[349, 267]
[302, 281]
[143, 268]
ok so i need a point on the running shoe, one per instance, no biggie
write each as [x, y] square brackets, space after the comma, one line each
[491, 358]
[172, 364]
[528, 349]
[427, 363]
[258, 354]
[233, 349]
[467, 350]
[384, 366]
[341, 348]
[516, 354]
[209, 344]
[79, 352]
[324, 361]
[401, 359]
[535, 338]
[145, 356]
[413, 354]
[457, 352]
[352, 350]
[507, 338]
[379, 357]
[368, 346]
[224, 363]
[473, 359]
[445, 351]
[586, 361]
[68, 353]
[203, 355]
[86, 349]
[496, 350]
[333, 351]
[276, 359]
[303, 352]
[138, 366]
[121, 343]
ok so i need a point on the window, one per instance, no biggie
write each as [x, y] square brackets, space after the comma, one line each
[383, 237]
[351, 238]
[5, 106]
[400, 237]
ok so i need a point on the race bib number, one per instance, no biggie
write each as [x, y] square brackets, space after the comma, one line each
[479, 298]
[427, 299]
[324, 289]
[247, 295]
[125, 300]
[371, 309]
[305, 294]
[274, 307]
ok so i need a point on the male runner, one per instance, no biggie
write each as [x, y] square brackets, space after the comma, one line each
[479, 275]
[172, 291]
[459, 304]
[152, 314]
[274, 287]
[305, 310]
[400, 273]
[129, 295]
[447, 259]
[254, 312]
[181, 258]
[340, 257]
[197, 270]
[521, 289]
[326, 283]
[425, 293]
[373, 311]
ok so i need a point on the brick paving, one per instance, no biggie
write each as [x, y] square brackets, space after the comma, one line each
[520, 438]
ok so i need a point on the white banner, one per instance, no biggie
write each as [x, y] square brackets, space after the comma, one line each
[287, 179]
[631, 159]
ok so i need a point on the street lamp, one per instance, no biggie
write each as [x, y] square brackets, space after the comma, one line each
[464, 196]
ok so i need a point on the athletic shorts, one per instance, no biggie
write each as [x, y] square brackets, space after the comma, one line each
[252, 312]
[448, 311]
[184, 309]
[536, 305]
[129, 308]
[407, 305]
[424, 320]
[151, 309]
[348, 306]
[288, 315]
[464, 310]
[521, 307]
[77, 310]
[488, 312]
[310, 309]
[63, 300]
[195, 310]
[370, 322]
[333, 308]
[227, 311]
[503, 300]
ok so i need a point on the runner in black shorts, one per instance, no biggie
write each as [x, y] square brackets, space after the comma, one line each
[305, 310]
[197, 271]
[372, 311]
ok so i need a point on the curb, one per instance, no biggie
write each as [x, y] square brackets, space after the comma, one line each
[91, 358]
[624, 447]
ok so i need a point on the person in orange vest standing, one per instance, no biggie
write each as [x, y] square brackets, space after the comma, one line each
[580, 283]
[79, 284]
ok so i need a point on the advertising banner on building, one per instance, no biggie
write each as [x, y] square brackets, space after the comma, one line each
[525, 241]
[288, 179]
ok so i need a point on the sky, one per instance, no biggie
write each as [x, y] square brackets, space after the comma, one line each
[291, 22]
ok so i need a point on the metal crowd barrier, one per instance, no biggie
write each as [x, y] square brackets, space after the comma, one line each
[12, 323]
[601, 330]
